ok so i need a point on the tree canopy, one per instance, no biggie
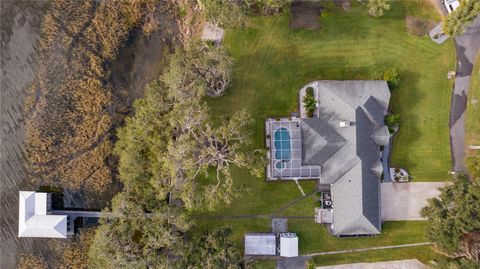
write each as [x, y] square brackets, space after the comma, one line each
[453, 215]
[200, 69]
[130, 237]
[458, 19]
[213, 249]
[173, 158]
[171, 144]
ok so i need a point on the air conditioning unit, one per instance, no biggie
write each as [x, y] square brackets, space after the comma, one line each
[344, 123]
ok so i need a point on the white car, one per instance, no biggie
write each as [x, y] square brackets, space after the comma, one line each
[451, 5]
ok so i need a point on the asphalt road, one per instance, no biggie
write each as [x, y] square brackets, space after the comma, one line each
[467, 47]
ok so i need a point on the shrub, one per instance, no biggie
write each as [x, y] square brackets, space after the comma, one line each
[392, 121]
[392, 78]
[224, 13]
[309, 103]
[311, 265]
[266, 7]
[473, 166]
[377, 8]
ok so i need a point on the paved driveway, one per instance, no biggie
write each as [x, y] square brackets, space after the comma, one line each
[467, 46]
[403, 201]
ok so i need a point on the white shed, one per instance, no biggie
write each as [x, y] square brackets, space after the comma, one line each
[33, 218]
[263, 244]
[288, 245]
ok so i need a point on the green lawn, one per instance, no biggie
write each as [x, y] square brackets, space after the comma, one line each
[393, 233]
[423, 253]
[265, 264]
[472, 126]
[315, 238]
[273, 62]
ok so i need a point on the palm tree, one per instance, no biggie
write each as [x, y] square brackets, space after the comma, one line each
[309, 103]
[377, 8]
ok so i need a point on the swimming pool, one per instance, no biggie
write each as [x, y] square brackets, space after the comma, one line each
[283, 151]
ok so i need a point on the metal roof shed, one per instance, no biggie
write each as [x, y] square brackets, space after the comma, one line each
[260, 244]
[288, 245]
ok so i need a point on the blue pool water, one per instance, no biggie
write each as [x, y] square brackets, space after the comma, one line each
[282, 144]
[280, 165]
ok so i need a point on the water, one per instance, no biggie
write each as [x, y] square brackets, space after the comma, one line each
[282, 144]
[20, 28]
[139, 62]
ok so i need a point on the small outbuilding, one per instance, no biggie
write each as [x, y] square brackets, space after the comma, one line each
[288, 245]
[261, 244]
[34, 219]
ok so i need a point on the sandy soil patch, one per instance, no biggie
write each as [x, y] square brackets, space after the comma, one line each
[418, 26]
[305, 15]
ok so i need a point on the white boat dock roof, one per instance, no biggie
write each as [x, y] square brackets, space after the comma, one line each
[33, 220]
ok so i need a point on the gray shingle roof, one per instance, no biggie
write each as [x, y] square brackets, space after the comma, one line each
[349, 156]
[375, 111]
[381, 135]
[319, 141]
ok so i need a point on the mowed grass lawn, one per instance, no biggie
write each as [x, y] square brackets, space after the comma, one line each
[272, 62]
[315, 238]
[424, 254]
[472, 128]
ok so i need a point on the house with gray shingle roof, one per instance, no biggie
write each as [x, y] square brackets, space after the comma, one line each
[341, 144]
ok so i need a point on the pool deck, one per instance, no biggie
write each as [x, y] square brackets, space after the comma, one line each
[293, 166]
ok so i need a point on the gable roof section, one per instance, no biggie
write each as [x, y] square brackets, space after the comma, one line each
[381, 136]
[319, 141]
[349, 215]
[33, 220]
[375, 111]
[367, 151]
